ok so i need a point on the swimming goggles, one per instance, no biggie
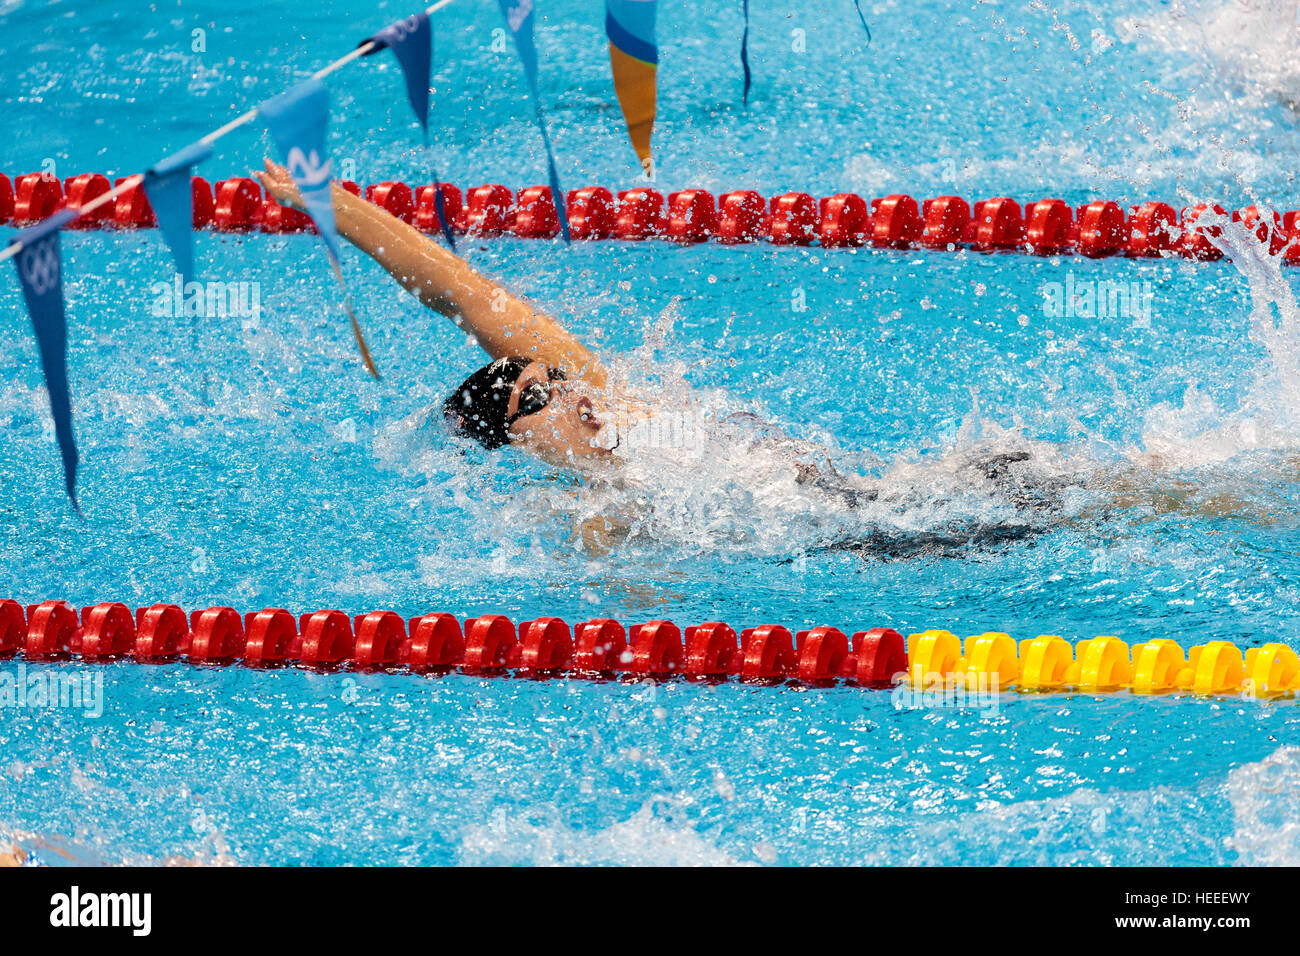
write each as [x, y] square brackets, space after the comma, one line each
[536, 396]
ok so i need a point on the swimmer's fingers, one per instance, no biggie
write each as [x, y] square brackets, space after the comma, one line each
[279, 185]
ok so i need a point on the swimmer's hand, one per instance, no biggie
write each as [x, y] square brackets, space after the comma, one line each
[279, 185]
[599, 535]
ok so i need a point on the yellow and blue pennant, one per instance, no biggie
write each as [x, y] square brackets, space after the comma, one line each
[634, 61]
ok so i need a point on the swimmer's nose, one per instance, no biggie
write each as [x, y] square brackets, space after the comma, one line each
[587, 412]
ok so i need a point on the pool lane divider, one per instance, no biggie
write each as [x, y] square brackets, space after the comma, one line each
[491, 645]
[1045, 227]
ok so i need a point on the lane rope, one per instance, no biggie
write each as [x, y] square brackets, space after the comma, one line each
[491, 645]
[1047, 227]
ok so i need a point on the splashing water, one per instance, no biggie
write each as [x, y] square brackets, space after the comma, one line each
[1246, 43]
[1200, 434]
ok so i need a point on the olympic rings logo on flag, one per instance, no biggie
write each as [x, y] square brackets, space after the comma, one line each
[400, 30]
[39, 266]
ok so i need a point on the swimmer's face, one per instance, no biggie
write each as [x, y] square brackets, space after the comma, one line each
[554, 419]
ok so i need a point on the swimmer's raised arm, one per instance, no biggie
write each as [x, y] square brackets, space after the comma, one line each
[503, 324]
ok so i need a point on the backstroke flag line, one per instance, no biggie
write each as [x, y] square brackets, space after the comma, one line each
[411, 41]
[744, 54]
[168, 186]
[744, 43]
[519, 18]
[857, 5]
[634, 63]
[297, 119]
[40, 271]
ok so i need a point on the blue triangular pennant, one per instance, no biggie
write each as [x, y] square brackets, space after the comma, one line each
[40, 271]
[411, 41]
[167, 184]
[519, 18]
[297, 120]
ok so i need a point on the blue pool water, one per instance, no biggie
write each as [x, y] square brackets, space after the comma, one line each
[253, 463]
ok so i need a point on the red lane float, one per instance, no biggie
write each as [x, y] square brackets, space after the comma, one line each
[740, 216]
[216, 636]
[792, 220]
[945, 222]
[844, 220]
[1266, 225]
[79, 191]
[204, 206]
[426, 209]
[6, 199]
[1101, 230]
[600, 647]
[656, 649]
[544, 646]
[767, 653]
[996, 225]
[535, 214]
[437, 643]
[878, 655]
[131, 209]
[1195, 242]
[395, 199]
[275, 218]
[238, 205]
[487, 210]
[591, 213]
[13, 627]
[1049, 227]
[1291, 226]
[489, 641]
[107, 632]
[1045, 227]
[434, 642]
[379, 639]
[269, 635]
[710, 651]
[36, 196]
[640, 215]
[1153, 229]
[692, 215]
[162, 633]
[822, 653]
[324, 639]
[51, 631]
[895, 222]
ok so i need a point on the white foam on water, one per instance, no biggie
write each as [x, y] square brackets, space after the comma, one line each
[643, 839]
[1247, 43]
[1265, 800]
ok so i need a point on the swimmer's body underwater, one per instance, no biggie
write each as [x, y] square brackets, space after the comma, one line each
[547, 394]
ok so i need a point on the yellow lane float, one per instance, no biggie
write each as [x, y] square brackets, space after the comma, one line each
[1272, 671]
[932, 656]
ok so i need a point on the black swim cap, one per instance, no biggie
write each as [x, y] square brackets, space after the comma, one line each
[477, 408]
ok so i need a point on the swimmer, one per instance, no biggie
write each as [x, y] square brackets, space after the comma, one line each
[544, 392]
[547, 394]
